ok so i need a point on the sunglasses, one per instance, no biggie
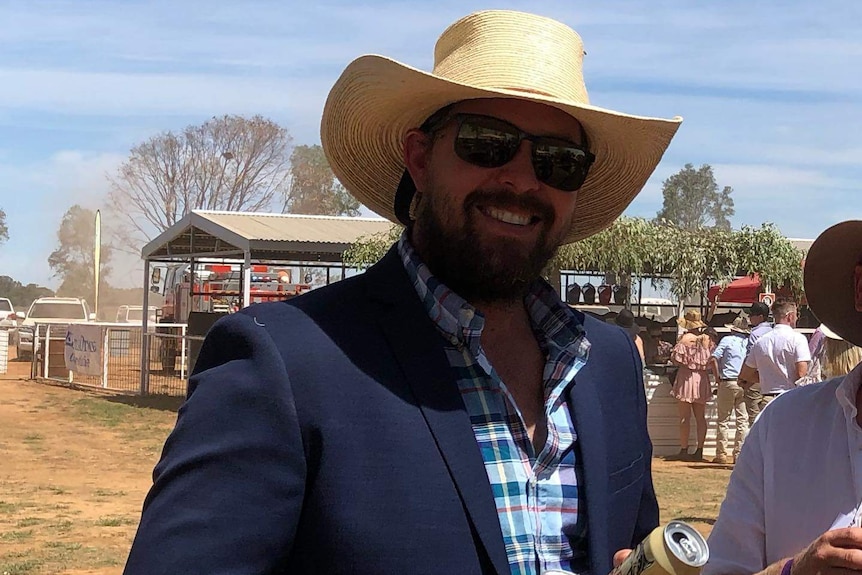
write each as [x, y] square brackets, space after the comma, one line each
[489, 142]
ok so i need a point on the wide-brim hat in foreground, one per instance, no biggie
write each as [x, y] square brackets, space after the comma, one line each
[691, 319]
[829, 279]
[489, 54]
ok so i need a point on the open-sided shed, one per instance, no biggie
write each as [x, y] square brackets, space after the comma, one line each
[253, 238]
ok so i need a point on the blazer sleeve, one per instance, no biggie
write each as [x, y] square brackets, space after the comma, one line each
[648, 512]
[227, 493]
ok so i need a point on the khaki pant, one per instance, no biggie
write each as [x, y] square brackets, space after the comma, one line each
[755, 402]
[732, 410]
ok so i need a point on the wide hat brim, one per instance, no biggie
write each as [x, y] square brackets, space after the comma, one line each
[829, 279]
[735, 329]
[377, 100]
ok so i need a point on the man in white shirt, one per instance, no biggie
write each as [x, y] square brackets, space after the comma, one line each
[778, 358]
[794, 500]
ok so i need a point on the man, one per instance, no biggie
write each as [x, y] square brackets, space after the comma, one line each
[728, 357]
[793, 501]
[444, 412]
[758, 314]
[778, 358]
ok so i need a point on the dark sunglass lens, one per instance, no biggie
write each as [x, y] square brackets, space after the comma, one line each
[560, 166]
[485, 142]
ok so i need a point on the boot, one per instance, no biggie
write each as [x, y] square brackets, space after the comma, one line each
[681, 456]
[697, 455]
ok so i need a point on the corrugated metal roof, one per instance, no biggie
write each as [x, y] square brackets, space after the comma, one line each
[296, 227]
[294, 237]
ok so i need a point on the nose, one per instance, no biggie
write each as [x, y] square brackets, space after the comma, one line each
[519, 173]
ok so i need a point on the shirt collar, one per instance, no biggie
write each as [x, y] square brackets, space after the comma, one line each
[553, 321]
[846, 392]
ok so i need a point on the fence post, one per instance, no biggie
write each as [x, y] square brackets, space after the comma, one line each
[106, 352]
[46, 351]
[183, 343]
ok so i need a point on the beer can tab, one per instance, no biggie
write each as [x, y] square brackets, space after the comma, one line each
[686, 544]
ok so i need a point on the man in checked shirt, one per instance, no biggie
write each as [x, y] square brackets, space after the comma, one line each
[444, 412]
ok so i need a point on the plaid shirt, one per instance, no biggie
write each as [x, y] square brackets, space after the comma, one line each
[537, 496]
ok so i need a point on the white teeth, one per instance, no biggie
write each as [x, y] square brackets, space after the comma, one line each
[508, 217]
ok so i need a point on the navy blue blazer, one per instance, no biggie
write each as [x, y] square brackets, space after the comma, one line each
[326, 434]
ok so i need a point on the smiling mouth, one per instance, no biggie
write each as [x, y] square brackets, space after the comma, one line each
[508, 217]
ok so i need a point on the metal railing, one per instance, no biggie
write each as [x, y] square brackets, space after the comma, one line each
[166, 371]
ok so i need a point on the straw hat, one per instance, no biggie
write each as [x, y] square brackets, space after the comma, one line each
[829, 279]
[489, 54]
[739, 325]
[690, 320]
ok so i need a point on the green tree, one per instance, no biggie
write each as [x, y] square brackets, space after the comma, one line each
[22, 295]
[313, 188]
[693, 201]
[4, 229]
[72, 260]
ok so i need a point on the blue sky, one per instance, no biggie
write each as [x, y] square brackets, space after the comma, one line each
[770, 91]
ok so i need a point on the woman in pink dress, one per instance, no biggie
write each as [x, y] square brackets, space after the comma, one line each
[692, 388]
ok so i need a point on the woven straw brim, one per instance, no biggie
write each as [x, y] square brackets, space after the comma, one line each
[377, 100]
[829, 283]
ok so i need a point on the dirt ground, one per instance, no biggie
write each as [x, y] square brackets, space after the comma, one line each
[75, 466]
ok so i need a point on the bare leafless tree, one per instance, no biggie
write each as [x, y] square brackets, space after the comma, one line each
[227, 163]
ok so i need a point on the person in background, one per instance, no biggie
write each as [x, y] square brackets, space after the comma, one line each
[626, 320]
[779, 358]
[692, 387]
[793, 504]
[732, 414]
[758, 315]
[839, 356]
[656, 350]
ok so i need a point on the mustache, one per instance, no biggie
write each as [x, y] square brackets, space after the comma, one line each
[505, 199]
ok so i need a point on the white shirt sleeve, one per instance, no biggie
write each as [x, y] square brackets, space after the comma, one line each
[737, 541]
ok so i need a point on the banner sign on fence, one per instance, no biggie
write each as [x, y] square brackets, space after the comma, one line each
[84, 350]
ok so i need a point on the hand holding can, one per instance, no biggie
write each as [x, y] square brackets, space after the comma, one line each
[673, 549]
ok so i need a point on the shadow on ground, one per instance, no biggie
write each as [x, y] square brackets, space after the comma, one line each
[161, 402]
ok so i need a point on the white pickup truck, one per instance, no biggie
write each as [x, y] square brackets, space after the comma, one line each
[57, 311]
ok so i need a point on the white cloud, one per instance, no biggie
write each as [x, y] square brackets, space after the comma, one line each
[767, 88]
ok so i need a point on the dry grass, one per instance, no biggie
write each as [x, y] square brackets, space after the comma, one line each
[77, 464]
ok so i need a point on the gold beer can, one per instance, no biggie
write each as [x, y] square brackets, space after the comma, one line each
[673, 549]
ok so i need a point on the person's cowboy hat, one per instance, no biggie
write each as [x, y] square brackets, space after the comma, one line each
[690, 320]
[829, 279]
[489, 54]
[626, 320]
[739, 325]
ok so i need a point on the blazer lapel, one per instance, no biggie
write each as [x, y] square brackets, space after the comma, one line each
[587, 414]
[416, 344]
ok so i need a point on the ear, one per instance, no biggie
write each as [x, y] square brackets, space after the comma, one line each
[857, 286]
[417, 156]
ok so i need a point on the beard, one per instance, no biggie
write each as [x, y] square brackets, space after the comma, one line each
[475, 266]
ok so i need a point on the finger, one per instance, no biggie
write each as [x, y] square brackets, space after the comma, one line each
[620, 556]
[849, 537]
[842, 557]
